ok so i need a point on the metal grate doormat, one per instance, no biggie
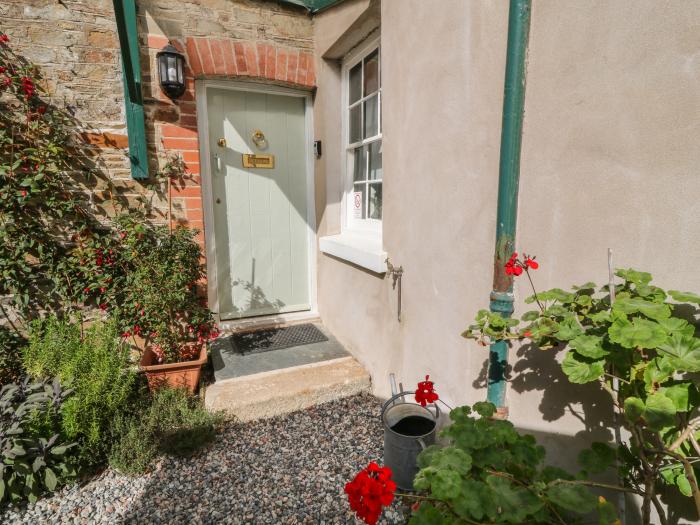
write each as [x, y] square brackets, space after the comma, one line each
[276, 339]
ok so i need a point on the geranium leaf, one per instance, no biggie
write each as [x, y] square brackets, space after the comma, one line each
[685, 297]
[681, 352]
[516, 503]
[568, 329]
[634, 409]
[452, 459]
[634, 276]
[633, 305]
[657, 371]
[445, 484]
[679, 394]
[484, 408]
[598, 458]
[660, 412]
[589, 346]
[684, 485]
[674, 325]
[580, 371]
[640, 333]
[572, 497]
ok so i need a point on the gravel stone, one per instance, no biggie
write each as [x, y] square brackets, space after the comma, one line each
[291, 469]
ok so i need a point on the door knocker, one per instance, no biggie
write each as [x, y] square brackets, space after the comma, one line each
[259, 139]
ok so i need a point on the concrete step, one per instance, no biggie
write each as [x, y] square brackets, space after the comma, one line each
[275, 392]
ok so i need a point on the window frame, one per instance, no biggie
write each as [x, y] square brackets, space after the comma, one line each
[349, 223]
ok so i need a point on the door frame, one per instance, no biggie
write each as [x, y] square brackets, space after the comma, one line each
[201, 92]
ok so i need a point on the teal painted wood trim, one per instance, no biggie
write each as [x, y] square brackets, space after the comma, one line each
[312, 5]
[508, 182]
[125, 14]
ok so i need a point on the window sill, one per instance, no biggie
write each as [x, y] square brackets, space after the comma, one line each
[361, 249]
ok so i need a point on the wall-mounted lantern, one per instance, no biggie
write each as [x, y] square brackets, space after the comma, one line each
[171, 70]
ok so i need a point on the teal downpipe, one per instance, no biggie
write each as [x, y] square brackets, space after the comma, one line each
[508, 178]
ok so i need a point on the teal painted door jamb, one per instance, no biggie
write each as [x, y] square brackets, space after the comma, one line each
[125, 13]
[508, 179]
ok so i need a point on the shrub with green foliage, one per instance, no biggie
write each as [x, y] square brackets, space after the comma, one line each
[641, 347]
[172, 422]
[33, 459]
[10, 359]
[95, 364]
[492, 474]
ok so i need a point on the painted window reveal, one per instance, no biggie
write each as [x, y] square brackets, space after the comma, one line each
[364, 140]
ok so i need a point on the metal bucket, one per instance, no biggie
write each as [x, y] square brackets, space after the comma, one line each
[408, 429]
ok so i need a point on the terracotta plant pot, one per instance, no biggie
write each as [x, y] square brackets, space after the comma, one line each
[177, 375]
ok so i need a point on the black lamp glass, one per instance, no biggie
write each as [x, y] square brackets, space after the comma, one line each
[171, 71]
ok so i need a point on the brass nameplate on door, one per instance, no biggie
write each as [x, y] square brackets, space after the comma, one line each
[251, 160]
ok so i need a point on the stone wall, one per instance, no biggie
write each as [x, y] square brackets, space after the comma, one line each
[75, 44]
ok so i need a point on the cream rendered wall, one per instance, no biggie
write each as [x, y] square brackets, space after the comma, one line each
[610, 158]
[443, 66]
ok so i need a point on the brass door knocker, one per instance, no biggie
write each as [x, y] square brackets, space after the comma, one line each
[259, 139]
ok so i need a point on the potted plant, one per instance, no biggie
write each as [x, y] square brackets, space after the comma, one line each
[159, 308]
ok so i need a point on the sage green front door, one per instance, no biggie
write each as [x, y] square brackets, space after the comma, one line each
[258, 163]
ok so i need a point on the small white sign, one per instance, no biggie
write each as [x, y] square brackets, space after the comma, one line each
[357, 204]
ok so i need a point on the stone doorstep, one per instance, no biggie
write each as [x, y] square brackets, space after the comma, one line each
[277, 392]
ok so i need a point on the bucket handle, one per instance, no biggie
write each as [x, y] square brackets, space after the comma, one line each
[403, 394]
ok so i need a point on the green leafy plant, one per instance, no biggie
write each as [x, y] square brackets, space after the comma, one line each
[172, 421]
[41, 205]
[95, 363]
[10, 360]
[58, 250]
[488, 474]
[639, 344]
[32, 462]
[146, 277]
[492, 474]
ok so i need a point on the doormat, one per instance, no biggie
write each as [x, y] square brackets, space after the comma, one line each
[276, 339]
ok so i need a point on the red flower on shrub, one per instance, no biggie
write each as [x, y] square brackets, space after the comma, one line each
[425, 392]
[370, 491]
[4, 39]
[27, 86]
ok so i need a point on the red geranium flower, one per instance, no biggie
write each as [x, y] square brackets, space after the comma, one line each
[4, 38]
[370, 490]
[425, 392]
[515, 266]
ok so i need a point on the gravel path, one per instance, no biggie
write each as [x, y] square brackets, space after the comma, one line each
[287, 470]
